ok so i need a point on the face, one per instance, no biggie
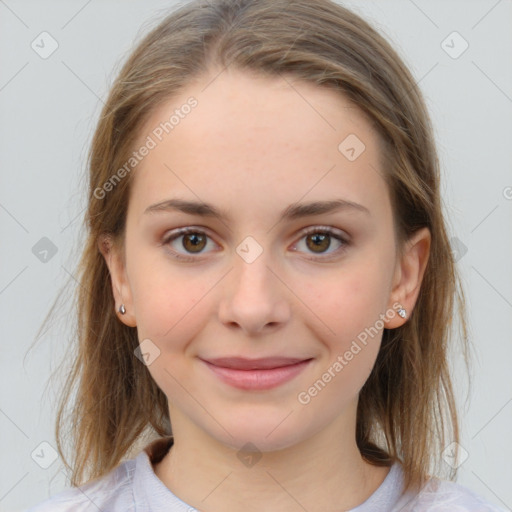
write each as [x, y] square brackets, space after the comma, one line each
[309, 294]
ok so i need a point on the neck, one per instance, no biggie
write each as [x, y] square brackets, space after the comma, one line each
[315, 474]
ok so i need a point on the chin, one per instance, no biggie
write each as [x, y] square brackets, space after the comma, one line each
[268, 431]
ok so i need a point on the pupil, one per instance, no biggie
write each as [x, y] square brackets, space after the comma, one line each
[194, 239]
[318, 239]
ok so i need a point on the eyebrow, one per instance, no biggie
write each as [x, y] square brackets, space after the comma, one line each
[292, 212]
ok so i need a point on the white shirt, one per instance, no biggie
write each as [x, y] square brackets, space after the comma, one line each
[134, 487]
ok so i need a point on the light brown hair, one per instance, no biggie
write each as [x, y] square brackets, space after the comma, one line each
[407, 409]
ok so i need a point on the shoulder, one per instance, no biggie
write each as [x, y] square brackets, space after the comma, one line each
[115, 491]
[112, 492]
[445, 496]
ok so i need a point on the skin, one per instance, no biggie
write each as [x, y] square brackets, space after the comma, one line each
[253, 146]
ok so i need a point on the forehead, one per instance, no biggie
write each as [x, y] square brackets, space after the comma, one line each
[258, 140]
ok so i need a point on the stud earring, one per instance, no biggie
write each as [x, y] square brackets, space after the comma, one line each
[122, 309]
[402, 312]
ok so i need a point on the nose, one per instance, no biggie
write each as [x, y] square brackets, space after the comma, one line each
[254, 298]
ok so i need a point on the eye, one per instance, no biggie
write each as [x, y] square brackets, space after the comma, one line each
[194, 240]
[318, 240]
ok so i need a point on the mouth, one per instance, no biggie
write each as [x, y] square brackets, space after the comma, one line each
[256, 374]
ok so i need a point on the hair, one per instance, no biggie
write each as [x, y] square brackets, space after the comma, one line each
[407, 409]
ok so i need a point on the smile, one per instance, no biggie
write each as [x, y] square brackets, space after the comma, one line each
[256, 374]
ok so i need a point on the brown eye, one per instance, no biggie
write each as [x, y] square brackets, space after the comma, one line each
[194, 242]
[318, 242]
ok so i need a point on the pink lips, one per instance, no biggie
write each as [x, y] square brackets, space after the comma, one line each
[256, 374]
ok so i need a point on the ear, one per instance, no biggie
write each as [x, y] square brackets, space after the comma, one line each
[408, 276]
[120, 285]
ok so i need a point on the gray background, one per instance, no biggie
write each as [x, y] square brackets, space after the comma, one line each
[48, 111]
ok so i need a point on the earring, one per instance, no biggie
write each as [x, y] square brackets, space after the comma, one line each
[402, 312]
[122, 309]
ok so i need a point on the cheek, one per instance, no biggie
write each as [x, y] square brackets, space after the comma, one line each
[350, 300]
[350, 331]
[171, 310]
[167, 299]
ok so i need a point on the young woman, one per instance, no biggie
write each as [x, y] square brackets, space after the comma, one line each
[267, 288]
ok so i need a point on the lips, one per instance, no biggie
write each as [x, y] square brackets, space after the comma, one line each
[256, 374]
[240, 363]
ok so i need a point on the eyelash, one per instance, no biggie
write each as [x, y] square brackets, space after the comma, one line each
[310, 231]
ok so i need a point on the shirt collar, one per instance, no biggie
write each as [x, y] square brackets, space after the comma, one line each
[149, 492]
